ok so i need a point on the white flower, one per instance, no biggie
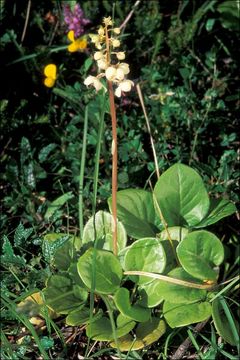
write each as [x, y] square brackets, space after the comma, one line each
[107, 21]
[111, 73]
[117, 30]
[92, 80]
[98, 55]
[124, 67]
[120, 55]
[101, 31]
[115, 42]
[125, 85]
[102, 64]
[120, 74]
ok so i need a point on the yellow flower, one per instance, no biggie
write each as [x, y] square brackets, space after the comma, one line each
[50, 71]
[77, 44]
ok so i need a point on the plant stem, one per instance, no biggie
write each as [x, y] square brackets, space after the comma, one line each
[114, 165]
[81, 176]
[114, 149]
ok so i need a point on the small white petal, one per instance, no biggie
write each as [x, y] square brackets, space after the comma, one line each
[89, 80]
[98, 55]
[124, 67]
[102, 64]
[126, 85]
[101, 31]
[111, 73]
[120, 55]
[118, 91]
[120, 74]
[115, 42]
[97, 84]
[117, 30]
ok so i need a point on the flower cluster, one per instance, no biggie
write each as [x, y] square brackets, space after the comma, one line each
[75, 19]
[114, 70]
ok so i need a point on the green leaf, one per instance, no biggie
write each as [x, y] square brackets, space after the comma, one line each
[145, 255]
[219, 208]
[170, 253]
[134, 312]
[146, 334]
[56, 240]
[56, 204]
[101, 329]
[103, 232]
[62, 295]
[44, 153]
[199, 252]
[178, 315]
[149, 294]
[181, 196]
[51, 243]
[64, 256]
[136, 212]
[227, 330]
[106, 272]
[8, 256]
[176, 233]
[81, 316]
[159, 290]
[21, 235]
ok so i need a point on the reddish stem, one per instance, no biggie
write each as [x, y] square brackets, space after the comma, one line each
[114, 165]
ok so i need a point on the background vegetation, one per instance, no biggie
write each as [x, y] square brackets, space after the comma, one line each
[184, 54]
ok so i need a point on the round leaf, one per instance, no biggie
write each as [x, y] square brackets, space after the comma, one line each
[145, 255]
[154, 293]
[103, 224]
[103, 267]
[181, 195]
[62, 295]
[136, 211]
[134, 312]
[176, 233]
[199, 252]
[178, 315]
[146, 334]
[81, 316]
[101, 329]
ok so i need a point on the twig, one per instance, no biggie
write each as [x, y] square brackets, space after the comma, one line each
[181, 350]
[139, 91]
[171, 280]
[129, 15]
[26, 21]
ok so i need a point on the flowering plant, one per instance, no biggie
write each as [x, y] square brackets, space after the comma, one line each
[108, 60]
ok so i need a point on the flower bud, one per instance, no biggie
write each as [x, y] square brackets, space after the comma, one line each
[102, 64]
[115, 42]
[107, 21]
[120, 74]
[101, 31]
[98, 55]
[124, 67]
[117, 31]
[110, 73]
[120, 55]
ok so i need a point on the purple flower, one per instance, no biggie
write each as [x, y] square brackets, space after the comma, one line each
[75, 19]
